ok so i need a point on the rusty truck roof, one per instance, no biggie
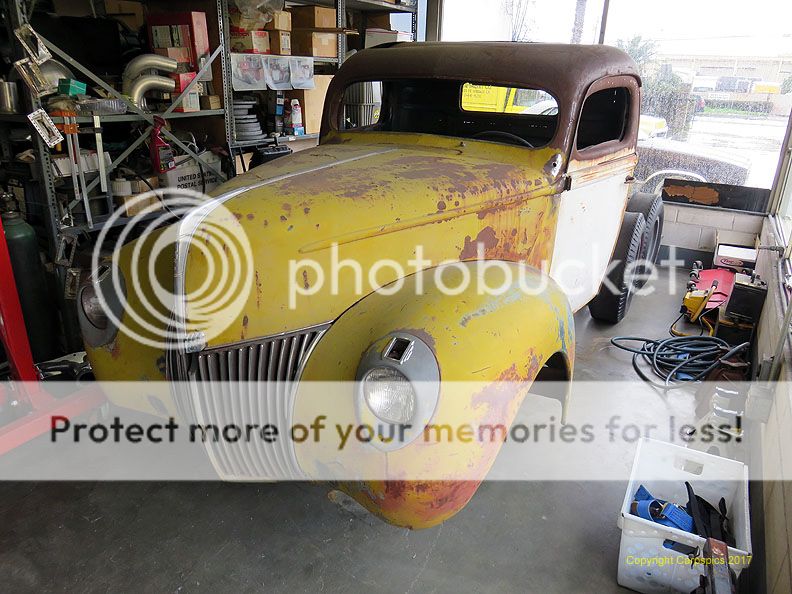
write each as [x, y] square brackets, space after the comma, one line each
[566, 71]
[563, 69]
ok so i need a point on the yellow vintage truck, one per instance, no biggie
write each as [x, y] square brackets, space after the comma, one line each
[432, 172]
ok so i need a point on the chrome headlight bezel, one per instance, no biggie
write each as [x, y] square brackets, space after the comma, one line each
[409, 356]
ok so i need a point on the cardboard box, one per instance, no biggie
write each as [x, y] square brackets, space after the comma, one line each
[188, 175]
[252, 42]
[197, 31]
[180, 36]
[129, 13]
[182, 80]
[313, 17]
[191, 102]
[312, 102]
[379, 36]
[314, 43]
[132, 205]
[378, 20]
[211, 102]
[281, 21]
[75, 8]
[180, 54]
[161, 36]
[280, 43]
[139, 186]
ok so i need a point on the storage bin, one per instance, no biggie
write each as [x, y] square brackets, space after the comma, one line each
[645, 563]
[68, 86]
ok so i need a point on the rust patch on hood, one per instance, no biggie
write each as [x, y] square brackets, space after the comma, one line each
[487, 238]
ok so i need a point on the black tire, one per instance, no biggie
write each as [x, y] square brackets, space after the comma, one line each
[609, 306]
[651, 207]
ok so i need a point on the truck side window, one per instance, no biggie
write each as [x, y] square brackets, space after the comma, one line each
[604, 117]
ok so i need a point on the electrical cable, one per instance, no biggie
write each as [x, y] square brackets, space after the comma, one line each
[702, 321]
[680, 359]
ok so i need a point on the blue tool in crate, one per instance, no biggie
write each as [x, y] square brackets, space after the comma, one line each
[669, 514]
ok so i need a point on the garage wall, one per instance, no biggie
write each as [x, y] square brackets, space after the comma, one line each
[694, 227]
[776, 438]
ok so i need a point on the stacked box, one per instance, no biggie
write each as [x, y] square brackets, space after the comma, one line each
[185, 29]
[313, 17]
[314, 43]
[280, 42]
[250, 42]
[180, 54]
[281, 21]
[192, 101]
[211, 102]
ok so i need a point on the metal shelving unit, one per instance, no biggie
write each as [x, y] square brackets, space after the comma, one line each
[58, 226]
[133, 117]
[341, 7]
[251, 143]
[360, 5]
[18, 10]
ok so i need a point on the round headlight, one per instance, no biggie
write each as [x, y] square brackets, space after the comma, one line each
[389, 395]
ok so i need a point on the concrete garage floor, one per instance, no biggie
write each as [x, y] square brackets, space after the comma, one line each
[537, 537]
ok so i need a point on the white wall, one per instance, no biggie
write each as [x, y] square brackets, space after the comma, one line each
[474, 20]
[694, 227]
[776, 434]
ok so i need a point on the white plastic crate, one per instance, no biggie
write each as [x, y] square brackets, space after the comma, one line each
[645, 564]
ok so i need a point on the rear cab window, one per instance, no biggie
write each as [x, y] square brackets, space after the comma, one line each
[519, 116]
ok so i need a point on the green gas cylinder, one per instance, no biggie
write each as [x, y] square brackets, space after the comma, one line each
[31, 284]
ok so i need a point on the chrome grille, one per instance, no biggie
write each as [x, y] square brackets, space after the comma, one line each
[211, 395]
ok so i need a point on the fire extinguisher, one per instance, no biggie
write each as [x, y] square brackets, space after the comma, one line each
[162, 158]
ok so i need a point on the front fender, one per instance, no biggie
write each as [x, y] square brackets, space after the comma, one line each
[501, 341]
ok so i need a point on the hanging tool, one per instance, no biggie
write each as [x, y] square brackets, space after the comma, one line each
[79, 165]
[67, 131]
[70, 131]
[162, 158]
[100, 153]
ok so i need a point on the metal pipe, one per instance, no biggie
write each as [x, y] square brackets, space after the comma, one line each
[778, 355]
[142, 63]
[604, 21]
[149, 82]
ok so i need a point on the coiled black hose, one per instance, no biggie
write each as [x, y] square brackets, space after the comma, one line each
[680, 359]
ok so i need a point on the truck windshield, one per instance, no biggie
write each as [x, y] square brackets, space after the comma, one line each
[526, 117]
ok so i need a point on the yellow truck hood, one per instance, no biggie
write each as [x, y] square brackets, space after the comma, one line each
[375, 201]
[364, 197]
